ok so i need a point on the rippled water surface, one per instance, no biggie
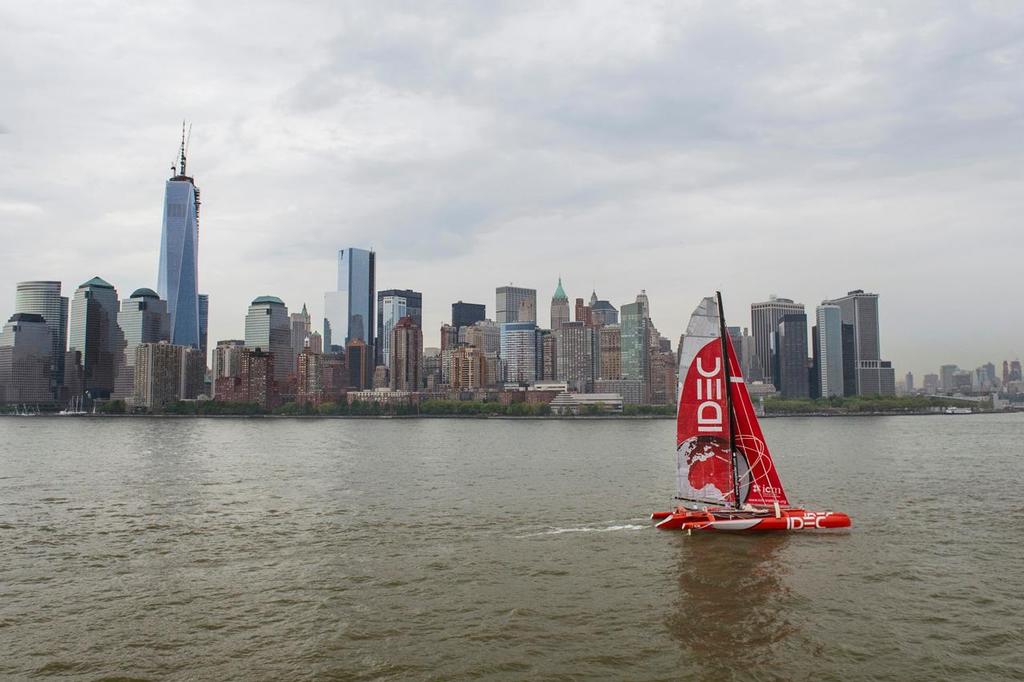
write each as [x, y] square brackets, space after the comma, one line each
[499, 549]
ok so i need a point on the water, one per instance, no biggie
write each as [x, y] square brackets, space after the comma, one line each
[457, 549]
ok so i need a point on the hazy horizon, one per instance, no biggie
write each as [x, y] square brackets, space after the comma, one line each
[801, 150]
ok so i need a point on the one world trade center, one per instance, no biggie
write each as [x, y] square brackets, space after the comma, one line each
[178, 281]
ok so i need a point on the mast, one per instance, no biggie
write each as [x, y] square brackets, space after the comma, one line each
[728, 400]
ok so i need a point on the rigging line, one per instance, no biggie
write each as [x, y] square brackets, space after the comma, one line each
[722, 331]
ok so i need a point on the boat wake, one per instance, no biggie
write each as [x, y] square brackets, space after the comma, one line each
[585, 529]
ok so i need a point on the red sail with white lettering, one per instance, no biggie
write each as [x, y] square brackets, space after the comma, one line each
[704, 464]
[758, 478]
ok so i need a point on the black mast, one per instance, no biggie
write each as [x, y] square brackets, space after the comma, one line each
[728, 401]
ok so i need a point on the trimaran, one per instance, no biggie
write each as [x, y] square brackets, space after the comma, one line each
[726, 479]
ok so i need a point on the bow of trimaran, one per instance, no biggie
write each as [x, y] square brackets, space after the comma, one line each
[725, 476]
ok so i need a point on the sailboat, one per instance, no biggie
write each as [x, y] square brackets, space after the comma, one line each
[726, 478]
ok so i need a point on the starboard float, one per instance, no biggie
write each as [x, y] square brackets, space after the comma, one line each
[726, 479]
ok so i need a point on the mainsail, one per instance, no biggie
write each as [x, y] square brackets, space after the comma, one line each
[721, 456]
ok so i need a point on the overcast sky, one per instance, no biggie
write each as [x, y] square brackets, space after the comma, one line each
[679, 147]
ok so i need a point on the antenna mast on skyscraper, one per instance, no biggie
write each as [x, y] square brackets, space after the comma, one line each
[181, 170]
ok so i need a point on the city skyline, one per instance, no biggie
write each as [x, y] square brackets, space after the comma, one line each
[817, 171]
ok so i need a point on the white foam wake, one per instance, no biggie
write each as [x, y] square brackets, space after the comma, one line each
[585, 529]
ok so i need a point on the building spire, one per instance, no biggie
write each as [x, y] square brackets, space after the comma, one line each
[184, 147]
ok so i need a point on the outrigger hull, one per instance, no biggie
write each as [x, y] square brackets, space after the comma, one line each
[731, 520]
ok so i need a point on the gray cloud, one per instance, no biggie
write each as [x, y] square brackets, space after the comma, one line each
[787, 148]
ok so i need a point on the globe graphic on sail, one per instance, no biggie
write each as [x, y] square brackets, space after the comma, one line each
[709, 467]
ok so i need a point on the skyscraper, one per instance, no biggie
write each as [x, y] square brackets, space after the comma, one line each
[874, 375]
[520, 348]
[510, 302]
[26, 355]
[94, 333]
[178, 280]
[227, 357]
[349, 311]
[392, 306]
[610, 344]
[157, 375]
[602, 312]
[360, 365]
[829, 343]
[559, 307]
[465, 314]
[635, 342]
[577, 355]
[300, 326]
[43, 298]
[764, 322]
[143, 318]
[583, 313]
[486, 336]
[791, 356]
[406, 348]
[204, 322]
[267, 328]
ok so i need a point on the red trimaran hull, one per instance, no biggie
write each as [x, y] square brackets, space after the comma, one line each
[727, 479]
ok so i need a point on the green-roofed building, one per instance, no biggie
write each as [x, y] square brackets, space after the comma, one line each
[95, 334]
[268, 328]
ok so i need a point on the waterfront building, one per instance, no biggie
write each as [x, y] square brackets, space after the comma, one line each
[359, 361]
[635, 345]
[257, 378]
[393, 305]
[849, 361]
[193, 373]
[790, 353]
[143, 318]
[406, 363]
[26, 360]
[579, 403]
[432, 367]
[559, 307]
[764, 323]
[204, 322]
[43, 298]
[94, 333]
[157, 376]
[520, 346]
[576, 355]
[828, 344]
[227, 362]
[349, 311]
[468, 369]
[381, 377]
[178, 280]
[873, 374]
[513, 301]
[549, 354]
[310, 376]
[267, 327]
[610, 351]
[465, 314]
[633, 392]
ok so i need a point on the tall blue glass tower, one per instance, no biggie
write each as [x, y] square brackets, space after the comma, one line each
[349, 311]
[178, 281]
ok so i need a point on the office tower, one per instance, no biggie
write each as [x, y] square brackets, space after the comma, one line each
[349, 311]
[360, 365]
[316, 342]
[663, 378]
[465, 314]
[644, 303]
[300, 326]
[468, 369]
[946, 374]
[227, 359]
[449, 337]
[930, 385]
[510, 302]
[157, 376]
[764, 322]
[559, 307]
[636, 346]
[392, 306]
[528, 310]
[178, 280]
[94, 333]
[43, 298]
[26, 360]
[520, 346]
[576, 356]
[791, 356]
[193, 373]
[310, 376]
[257, 381]
[610, 349]
[874, 375]
[267, 328]
[204, 322]
[485, 335]
[829, 345]
[406, 348]
[549, 355]
[849, 361]
[583, 313]
[143, 318]
[602, 312]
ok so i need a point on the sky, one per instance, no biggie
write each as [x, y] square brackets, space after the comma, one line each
[796, 149]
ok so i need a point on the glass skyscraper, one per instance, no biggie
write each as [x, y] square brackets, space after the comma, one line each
[829, 345]
[25, 360]
[349, 311]
[44, 299]
[520, 348]
[267, 327]
[393, 305]
[178, 279]
[143, 319]
[94, 333]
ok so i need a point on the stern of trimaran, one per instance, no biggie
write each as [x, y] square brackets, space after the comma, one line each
[725, 476]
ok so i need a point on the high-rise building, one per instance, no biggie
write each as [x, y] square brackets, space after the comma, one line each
[143, 318]
[204, 322]
[94, 333]
[257, 378]
[392, 306]
[43, 298]
[577, 356]
[359, 360]
[663, 378]
[559, 307]
[764, 322]
[449, 337]
[178, 280]
[406, 348]
[227, 359]
[644, 303]
[310, 376]
[946, 374]
[512, 302]
[548, 355]
[610, 348]
[485, 335]
[1015, 371]
[790, 353]
[602, 312]
[26, 360]
[520, 348]
[267, 328]
[349, 311]
[157, 375]
[635, 334]
[930, 384]
[583, 313]
[468, 369]
[829, 345]
[908, 383]
[300, 326]
[849, 361]
[465, 314]
[873, 374]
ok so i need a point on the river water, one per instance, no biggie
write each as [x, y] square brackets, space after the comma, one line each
[499, 549]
